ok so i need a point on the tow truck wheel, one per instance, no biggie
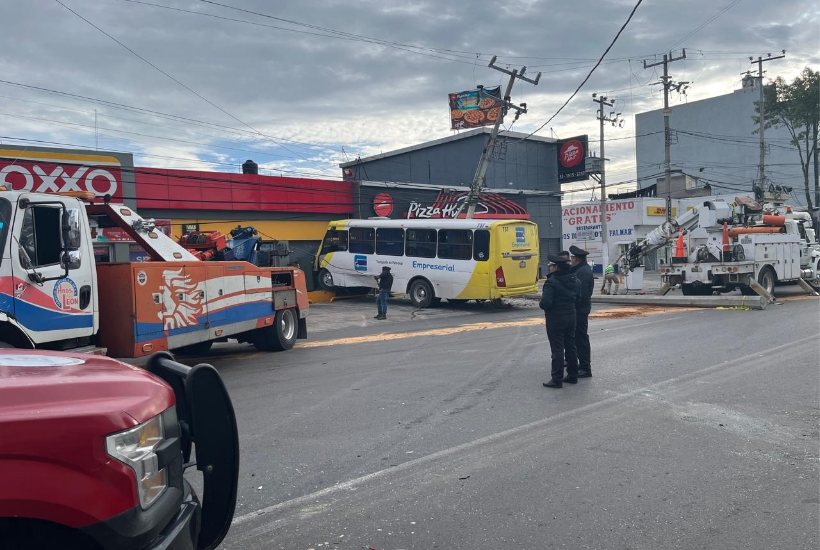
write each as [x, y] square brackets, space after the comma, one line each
[281, 335]
[200, 348]
[421, 294]
[767, 279]
[325, 280]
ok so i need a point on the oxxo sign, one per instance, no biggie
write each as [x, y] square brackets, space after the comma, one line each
[98, 174]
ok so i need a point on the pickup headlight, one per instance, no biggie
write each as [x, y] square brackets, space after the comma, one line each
[136, 449]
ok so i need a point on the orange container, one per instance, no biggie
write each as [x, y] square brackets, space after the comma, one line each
[778, 221]
[734, 232]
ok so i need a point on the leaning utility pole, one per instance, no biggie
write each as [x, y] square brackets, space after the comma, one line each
[666, 80]
[761, 167]
[615, 120]
[478, 181]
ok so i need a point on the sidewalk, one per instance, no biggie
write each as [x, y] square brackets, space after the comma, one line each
[651, 284]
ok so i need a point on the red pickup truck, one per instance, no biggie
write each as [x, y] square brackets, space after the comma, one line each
[93, 451]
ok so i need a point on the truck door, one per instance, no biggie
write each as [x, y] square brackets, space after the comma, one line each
[53, 269]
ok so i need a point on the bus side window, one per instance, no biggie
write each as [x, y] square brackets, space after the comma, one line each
[455, 244]
[421, 243]
[390, 242]
[481, 250]
[335, 241]
[362, 240]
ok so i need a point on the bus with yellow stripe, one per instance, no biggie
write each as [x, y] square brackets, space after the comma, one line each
[431, 260]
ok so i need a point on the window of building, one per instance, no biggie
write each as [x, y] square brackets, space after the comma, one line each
[390, 241]
[481, 245]
[455, 244]
[421, 243]
[335, 241]
[362, 240]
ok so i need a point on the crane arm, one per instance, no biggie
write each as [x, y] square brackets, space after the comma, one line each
[660, 237]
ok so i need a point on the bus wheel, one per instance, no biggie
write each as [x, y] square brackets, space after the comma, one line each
[325, 280]
[281, 335]
[421, 293]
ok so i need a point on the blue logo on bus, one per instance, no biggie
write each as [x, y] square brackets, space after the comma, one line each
[520, 235]
[360, 263]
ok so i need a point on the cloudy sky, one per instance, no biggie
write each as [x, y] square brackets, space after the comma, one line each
[300, 86]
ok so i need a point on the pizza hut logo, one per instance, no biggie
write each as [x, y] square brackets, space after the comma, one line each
[383, 205]
[572, 153]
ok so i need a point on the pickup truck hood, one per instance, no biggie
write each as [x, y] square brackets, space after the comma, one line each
[37, 384]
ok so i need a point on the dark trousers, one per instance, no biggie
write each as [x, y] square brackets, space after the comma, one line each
[582, 338]
[561, 334]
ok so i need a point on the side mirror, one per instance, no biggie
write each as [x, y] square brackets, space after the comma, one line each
[72, 237]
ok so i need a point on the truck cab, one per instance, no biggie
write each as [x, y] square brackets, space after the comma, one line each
[47, 272]
[93, 453]
[55, 295]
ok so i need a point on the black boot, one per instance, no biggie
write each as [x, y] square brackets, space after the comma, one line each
[552, 384]
[569, 380]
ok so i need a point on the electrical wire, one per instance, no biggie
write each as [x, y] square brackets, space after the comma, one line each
[180, 83]
[584, 81]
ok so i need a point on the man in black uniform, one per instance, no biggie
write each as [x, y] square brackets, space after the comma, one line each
[559, 299]
[583, 272]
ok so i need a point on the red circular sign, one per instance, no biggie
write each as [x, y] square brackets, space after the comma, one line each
[383, 205]
[571, 153]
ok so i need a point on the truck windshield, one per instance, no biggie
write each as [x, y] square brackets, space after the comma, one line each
[5, 220]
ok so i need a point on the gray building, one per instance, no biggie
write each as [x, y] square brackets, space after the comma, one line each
[523, 171]
[714, 148]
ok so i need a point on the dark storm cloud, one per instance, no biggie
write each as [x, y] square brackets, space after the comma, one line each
[337, 92]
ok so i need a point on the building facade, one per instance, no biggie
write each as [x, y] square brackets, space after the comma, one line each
[714, 146]
[523, 172]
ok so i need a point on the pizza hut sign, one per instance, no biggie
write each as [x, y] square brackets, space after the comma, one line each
[572, 159]
[99, 174]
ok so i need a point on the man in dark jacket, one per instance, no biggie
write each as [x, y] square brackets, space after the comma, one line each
[560, 297]
[583, 272]
[385, 281]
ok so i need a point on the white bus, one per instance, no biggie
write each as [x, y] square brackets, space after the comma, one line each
[458, 260]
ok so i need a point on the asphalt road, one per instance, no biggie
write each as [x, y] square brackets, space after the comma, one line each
[699, 429]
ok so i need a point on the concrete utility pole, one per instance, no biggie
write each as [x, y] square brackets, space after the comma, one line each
[484, 163]
[761, 167]
[615, 119]
[666, 80]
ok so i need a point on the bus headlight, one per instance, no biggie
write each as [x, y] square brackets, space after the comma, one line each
[136, 449]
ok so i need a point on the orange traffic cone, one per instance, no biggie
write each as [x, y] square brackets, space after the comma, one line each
[679, 252]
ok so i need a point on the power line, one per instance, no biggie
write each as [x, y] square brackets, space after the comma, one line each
[325, 33]
[159, 114]
[705, 23]
[208, 101]
[581, 85]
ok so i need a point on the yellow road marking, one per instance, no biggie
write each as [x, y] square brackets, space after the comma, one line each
[614, 313]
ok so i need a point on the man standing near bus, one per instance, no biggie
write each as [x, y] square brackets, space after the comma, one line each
[385, 281]
[583, 272]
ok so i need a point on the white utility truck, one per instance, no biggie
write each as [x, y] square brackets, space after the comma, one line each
[743, 245]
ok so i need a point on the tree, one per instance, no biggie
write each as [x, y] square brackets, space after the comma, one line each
[796, 107]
